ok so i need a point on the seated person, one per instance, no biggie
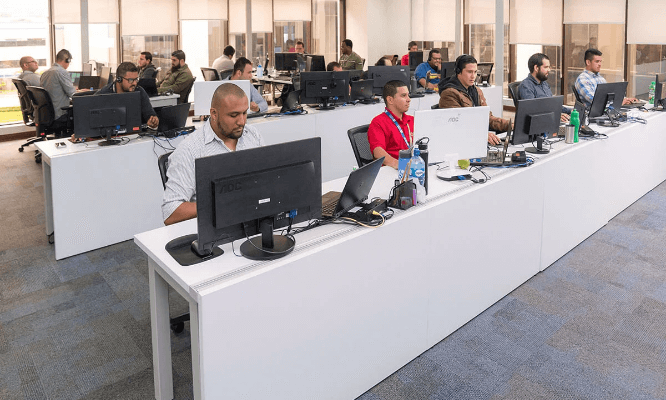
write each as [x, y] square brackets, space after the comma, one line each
[127, 77]
[225, 61]
[333, 66]
[412, 46]
[459, 91]
[587, 81]
[536, 84]
[57, 82]
[29, 66]
[179, 78]
[431, 66]
[384, 62]
[147, 69]
[300, 47]
[243, 71]
[348, 58]
[391, 131]
[224, 132]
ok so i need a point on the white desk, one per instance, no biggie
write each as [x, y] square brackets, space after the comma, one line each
[163, 101]
[348, 306]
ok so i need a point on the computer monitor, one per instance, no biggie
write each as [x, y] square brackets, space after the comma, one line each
[87, 69]
[660, 90]
[286, 61]
[536, 119]
[314, 63]
[105, 77]
[447, 69]
[172, 117]
[107, 115]
[483, 71]
[249, 192]
[415, 58]
[89, 82]
[362, 91]
[324, 88]
[605, 95]
[76, 76]
[381, 75]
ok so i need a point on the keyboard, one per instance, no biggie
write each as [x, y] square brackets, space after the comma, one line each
[172, 133]
[329, 202]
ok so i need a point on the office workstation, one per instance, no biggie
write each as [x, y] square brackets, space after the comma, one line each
[352, 311]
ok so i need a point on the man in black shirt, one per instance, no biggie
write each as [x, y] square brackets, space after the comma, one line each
[127, 76]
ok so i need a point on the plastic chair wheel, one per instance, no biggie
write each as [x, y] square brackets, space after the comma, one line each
[178, 327]
[20, 149]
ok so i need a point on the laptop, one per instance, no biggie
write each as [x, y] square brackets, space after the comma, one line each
[357, 188]
[87, 82]
[173, 117]
[149, 85]
[496, 158]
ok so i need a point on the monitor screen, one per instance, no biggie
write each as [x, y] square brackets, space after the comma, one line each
[76, 76]
[483, 71]
[607, 94]
[107, 115]
[249, 192]
[415, 58]
[536, 118]
[381, 75]
[660, 90]
[286, 61]
[89, 82]
[324, 88]
[447, 70]
[315, 63]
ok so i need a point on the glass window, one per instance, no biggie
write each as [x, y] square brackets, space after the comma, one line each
[103, 45]
[287, 33]
[325, 29]
[201, 53]
[482, 47]
[68, 36]
[645, 61]
[160, 47]
[520, 54]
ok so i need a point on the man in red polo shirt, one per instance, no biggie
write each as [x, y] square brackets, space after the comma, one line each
[391, 131]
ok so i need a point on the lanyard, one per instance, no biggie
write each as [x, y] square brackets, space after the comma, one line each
[397, 126]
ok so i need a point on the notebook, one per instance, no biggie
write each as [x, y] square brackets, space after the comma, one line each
[357, 188]
[173, 117]
[496, 158]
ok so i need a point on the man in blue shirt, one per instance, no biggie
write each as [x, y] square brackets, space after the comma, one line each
[587, 81]
[243, 71]
[430, 66]
[536, 84]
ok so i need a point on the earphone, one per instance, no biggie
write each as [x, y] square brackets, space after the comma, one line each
[119, 79]
[458, 60]
[69, 60]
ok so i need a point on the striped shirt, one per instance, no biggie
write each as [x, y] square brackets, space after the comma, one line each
[181, 182]
[586, 85]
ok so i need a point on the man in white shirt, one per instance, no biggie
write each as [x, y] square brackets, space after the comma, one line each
[225, 61]
[225, 131]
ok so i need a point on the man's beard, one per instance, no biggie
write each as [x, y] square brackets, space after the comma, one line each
[541, 77]
[174, 68]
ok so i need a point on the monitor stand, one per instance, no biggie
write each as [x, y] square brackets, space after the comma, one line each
[267, 246]
[182, 250]
[109, 141]
[325, 104]
[539, 148]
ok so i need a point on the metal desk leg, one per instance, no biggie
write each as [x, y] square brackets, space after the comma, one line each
[196, 358]
[48, 195]
[161, 334]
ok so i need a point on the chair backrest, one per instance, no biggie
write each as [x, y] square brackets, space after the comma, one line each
[163, 165]
[224, 74]
[186, 94]
[210, 74]
[513, 90]
[24, 99]
[358, 137]
[43, 111]
[434, 106]
[575, 92]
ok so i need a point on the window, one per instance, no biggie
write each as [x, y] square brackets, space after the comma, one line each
[202, 41]
[160, 47]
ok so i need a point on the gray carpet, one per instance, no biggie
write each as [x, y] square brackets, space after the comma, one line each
[589, 327]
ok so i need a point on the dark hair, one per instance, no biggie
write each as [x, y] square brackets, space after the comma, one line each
[126, 67]
[348, 43]
[229, 51]
[536, 60]
[433, 51]
[301, 43]
[590, 53]
[462, 61]
[63, 55]
[148, 56]
[412, 43]
[391, 88]
[382, 62]
[332, 65]
[240, 64]
[179, 54]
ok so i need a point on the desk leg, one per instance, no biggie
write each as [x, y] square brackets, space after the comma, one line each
[161, 334]
[196, 350]
[48, 196]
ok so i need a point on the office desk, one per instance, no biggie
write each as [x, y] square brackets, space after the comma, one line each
[163, 101]
[348, 306]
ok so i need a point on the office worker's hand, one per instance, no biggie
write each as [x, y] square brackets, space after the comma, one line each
[493, 139]
[153, 122]
[431, 86]
[629, 100]
[564, 117]
[254, 107]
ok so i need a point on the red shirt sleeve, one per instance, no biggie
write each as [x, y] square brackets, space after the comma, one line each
[376, 135]
[405, 59]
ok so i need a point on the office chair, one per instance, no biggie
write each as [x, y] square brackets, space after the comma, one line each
[210, 74]
[44, 117]
[26, 104]
[177, 324]
[358, 137]
[434, 106]
[515, 94]
[186, 93]
[575, 92]
[224, 74]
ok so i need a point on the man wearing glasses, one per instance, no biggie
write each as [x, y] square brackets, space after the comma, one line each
[429, 67]
[127, 77]
[29, 66]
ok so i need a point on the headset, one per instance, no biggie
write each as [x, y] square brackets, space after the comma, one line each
[459, 60]
[119, 78]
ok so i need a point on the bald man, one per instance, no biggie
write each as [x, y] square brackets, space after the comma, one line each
[224, 132]
[29, 66]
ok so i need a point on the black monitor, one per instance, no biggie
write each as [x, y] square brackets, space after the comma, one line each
[361, 91]
[660, 91]
[415, 58]
[107, 115]
[447, 69]
[314, 63]
[286, 61]
[324, 88]
[605, 95]
[89, 82]
[381, 75]
[536, 119]
[249, 192]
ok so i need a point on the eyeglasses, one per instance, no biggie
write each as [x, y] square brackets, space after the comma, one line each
[131, 80]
